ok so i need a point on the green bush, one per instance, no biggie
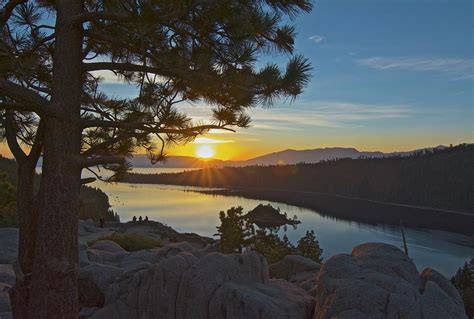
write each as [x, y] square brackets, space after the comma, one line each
[132, 242]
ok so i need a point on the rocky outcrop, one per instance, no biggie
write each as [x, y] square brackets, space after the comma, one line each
[292, 265]
[297, 270]
[380, 281]
[7, 279]
[8, 245]
[181, 281]
[108, 246]
[184, 283]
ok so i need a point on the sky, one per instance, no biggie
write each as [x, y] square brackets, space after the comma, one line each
[388, 75]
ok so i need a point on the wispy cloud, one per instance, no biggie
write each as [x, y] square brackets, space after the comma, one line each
[317, 38]
[456, 69]
[326, 114]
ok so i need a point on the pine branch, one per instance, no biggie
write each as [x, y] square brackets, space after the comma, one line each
[27, 100]
[86, 123]
[100, 160]
[7, 11]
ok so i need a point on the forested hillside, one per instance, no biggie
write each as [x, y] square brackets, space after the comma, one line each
[94, 202]
[438, 178]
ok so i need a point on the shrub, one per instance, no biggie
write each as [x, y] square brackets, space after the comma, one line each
[234, 230]
[237, 232]
[308, 247]
[132, 242]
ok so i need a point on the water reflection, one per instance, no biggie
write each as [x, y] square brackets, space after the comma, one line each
[189, 211]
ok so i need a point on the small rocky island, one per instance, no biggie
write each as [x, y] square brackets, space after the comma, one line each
[186, 276]
[268, 216]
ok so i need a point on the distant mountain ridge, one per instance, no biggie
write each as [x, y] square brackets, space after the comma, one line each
[288, 156]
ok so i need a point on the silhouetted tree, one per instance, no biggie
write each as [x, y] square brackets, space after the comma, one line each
[52, 54]
[237, 232]
[308, 247]
[463, 280]
[234, 231]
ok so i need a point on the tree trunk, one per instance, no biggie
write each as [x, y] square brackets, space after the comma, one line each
[54, 286]
[27, 216]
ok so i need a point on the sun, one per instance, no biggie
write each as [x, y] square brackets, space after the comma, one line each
[205, 151]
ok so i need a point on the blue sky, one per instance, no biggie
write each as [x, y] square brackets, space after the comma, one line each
[388, 75]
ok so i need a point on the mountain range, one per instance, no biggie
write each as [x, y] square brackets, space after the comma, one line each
[288, 156]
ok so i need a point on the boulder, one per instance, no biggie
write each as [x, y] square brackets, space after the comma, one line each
[186, 284]
[106, 258]
[4, 300]
[274, 300]
[175, 249]
[306, 280]
[211, 271]
[83, 258]
[8, 245]
[108, 246]
[148, 293]
[94, 280]
[133, 259]
[291, 265]
[86, 226]
[7, 275]
[380, 281]
[87, 312]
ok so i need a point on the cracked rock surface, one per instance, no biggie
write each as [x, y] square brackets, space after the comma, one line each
[379, 281]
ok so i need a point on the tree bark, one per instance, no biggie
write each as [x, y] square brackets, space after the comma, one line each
[27, 216]
[53, 292]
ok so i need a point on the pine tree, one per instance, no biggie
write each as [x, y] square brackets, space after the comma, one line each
[52, 54]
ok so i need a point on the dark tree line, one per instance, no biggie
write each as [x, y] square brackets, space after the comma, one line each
[437, 179]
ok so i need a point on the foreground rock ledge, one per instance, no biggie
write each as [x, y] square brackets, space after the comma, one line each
[182, 280]
[380, 281]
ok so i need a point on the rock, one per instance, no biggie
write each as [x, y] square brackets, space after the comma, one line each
[108, 246]
[7, 275]
[212, 248]
[149, 293]
[86, 312]
[83, 258]
[439, 295]
[94, 280]
[174, 249]
[186, 284]
[380, 281]
[291, 265]
[86, 226]
[276, 299]
[105, 258]
[146, 256]
[4, 300]
[211, 271]
[166, 281]
[306, 280]
[8, 245]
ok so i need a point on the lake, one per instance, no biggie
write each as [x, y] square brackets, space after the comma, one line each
[188, 211]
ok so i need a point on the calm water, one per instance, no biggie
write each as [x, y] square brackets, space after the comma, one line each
[188, 211]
